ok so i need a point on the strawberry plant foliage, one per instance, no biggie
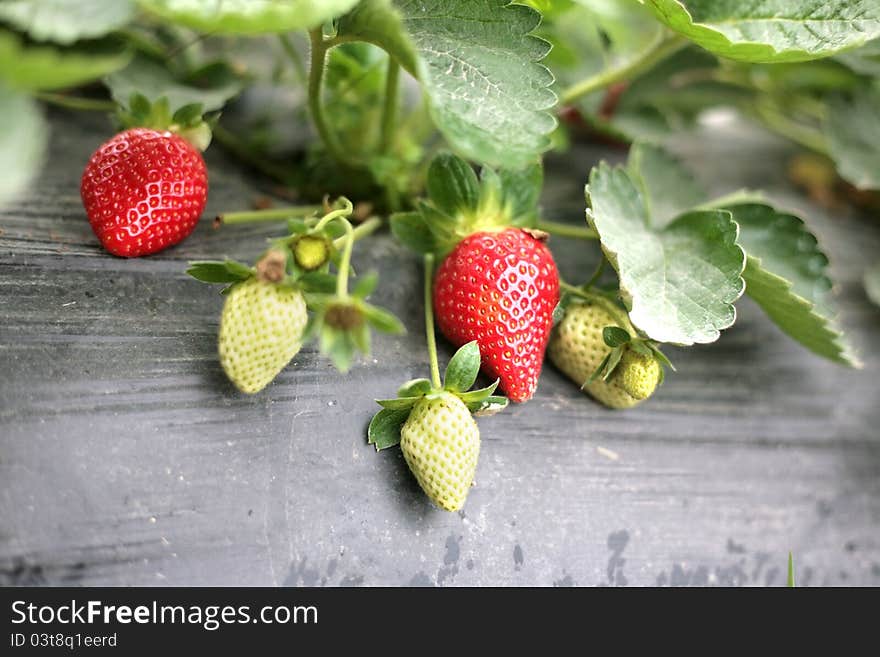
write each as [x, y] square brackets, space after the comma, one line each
[248, 16]
[66, 22]
[679, 281]
[480, 66]
[772, 30]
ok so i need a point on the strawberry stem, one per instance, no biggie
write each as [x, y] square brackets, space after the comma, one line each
[368, 227]
[77, 103]
[347, 245]
[269, 214]
[429, 322]
[316, 81]
[566, 230]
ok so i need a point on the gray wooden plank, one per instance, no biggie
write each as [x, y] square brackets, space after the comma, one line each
[126, 458]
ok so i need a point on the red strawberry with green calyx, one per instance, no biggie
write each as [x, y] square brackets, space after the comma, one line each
[498, 283]
[145, 188]
[500, 289]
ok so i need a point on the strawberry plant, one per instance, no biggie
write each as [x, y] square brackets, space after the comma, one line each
[430, 118]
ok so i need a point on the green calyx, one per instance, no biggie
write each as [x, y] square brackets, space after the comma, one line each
[187, 121]
[461, 374]
[461, 203]
[636, 363]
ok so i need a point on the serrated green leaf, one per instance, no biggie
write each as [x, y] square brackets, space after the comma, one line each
[398, 404]
[248, 17]
[23, 139]
[211, 271]
[415, 388]
[872, 283]
[384, 429]
[614, 336]
[382, 320]
[772, 30]
[452, 185]
[668, 188]
[154, 81]
[786, 276]
[463, 367]
[478, 395]
[489, 406]
[679, 283]
[411, 229]
[479, 64]
[365, 285]
[66, 21]
[853, 131]
[40, 67]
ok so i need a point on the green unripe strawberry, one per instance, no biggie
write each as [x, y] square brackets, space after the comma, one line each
[577, 347]
[441, 444]
[261, 330]
[638, 374]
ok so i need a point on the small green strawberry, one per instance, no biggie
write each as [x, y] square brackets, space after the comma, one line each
[436, 430]
[264, 317]
[441, 444]
[594, 347]
[261, 330]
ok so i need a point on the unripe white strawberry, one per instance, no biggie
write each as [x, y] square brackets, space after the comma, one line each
[261, 330]
[441, 444]
[577, 347]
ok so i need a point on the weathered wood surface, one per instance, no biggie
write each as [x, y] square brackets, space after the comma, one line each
[126, 458]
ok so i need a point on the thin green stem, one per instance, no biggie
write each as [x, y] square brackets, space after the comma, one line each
[662, 47]
[566, 230]
[362, 230]
[429, 322]
[342, 215]
[389, 108]
[316, 107]
[269, 214]
[295, 58]
[77, 103]
[345, 261]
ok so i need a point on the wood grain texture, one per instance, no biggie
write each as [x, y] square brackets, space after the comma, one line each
[126, 458]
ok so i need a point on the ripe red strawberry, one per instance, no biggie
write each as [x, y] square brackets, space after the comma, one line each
[500, 289]
[143, 191]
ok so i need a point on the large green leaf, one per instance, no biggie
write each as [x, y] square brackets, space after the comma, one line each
[679, 282]
[66, 21]
[23, 137]
[786, 276]
[853, 130]
[772, 30]
[248, 16]
[41, 67]
[479, 64]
